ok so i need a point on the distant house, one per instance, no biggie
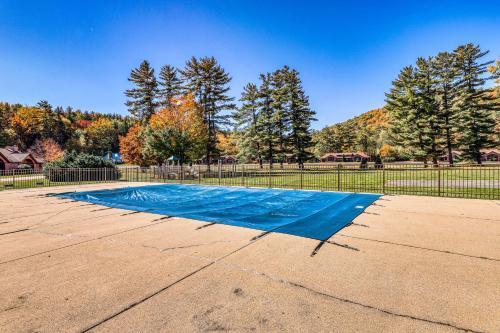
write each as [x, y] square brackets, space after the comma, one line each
[454, 153]
[228, 159]
[490, 154]
[12, 157]
[344, 157]
[225, 159]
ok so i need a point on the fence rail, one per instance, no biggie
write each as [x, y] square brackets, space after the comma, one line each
[463, 181]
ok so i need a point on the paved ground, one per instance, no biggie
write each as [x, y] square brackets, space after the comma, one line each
[408, 264]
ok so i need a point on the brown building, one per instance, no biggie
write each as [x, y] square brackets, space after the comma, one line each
[344, 157]
[12, 157]
[490, 154]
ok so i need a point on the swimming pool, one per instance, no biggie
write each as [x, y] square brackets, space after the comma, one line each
[310, 214]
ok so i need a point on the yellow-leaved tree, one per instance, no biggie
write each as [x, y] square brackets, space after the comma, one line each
[177, 131]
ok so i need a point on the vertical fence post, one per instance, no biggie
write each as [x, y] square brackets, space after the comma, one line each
[301, 169]
[269, 180]
[13, 178]
[439, 181]
[219, 171]
[383, 180]
[338, 177]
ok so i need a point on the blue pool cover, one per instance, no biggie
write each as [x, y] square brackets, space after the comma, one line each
[309, 214]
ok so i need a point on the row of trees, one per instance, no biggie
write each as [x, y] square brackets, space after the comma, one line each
[442, 103]
[273, 120]
[203, 79]
[48, 131]
[178, 130]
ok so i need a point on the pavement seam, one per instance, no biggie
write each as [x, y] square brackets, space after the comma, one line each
[151, 295]
[463, 217]
[13, 232]
[345, 300]
[82, 242]
[420, 248]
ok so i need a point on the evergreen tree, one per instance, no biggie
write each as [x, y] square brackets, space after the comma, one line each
[208, 81]
[280, 105]
[476, 105]
[266, 128]
[142, 99]
[428, 109]
[300, 116]
[408, 124]
[446, 75]
[170, 85]
[246, 122]
[48, 120]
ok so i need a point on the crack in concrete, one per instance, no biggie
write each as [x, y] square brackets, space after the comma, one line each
[13, 232]
[75, 244]
[420, 247]
[345, 300]
[151, 295]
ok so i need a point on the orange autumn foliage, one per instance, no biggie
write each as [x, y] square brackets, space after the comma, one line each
[131, 146]
[386, 150]
[48, 149]
[185, 116]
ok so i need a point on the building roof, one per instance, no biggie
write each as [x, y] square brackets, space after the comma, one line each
[486, 151]
[13, 155]
[490, 151]
[346, 154]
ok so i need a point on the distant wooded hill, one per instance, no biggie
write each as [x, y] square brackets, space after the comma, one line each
[367, 132]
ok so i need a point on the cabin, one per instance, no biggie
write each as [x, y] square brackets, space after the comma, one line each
[225, 159]
[492, 155]
[454, 153]
[345, 157]
[487, 155]
[11, 158]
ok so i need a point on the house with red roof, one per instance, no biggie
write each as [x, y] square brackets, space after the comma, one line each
[11, 157]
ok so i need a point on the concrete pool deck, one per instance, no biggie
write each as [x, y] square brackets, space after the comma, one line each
[412, 264]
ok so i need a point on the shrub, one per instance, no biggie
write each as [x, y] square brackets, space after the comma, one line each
[78, 167]
[80, 160]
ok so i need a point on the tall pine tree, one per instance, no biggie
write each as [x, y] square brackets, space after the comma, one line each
[280, 106]
[170, 85]
[209, 82]
[446, 76]
[266, 128]
[301, 116]
[246, 119]
[408, 124]
[476, 105]
[142, 99]
[428, 109]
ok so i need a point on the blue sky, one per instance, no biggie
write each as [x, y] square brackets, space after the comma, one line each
[80, 53]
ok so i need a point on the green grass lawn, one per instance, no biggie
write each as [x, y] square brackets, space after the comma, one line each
[453, 183]
[458, 182]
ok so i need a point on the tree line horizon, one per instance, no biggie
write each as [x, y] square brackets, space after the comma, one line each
[439, 104]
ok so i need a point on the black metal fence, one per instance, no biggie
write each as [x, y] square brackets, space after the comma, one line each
[463, 181]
